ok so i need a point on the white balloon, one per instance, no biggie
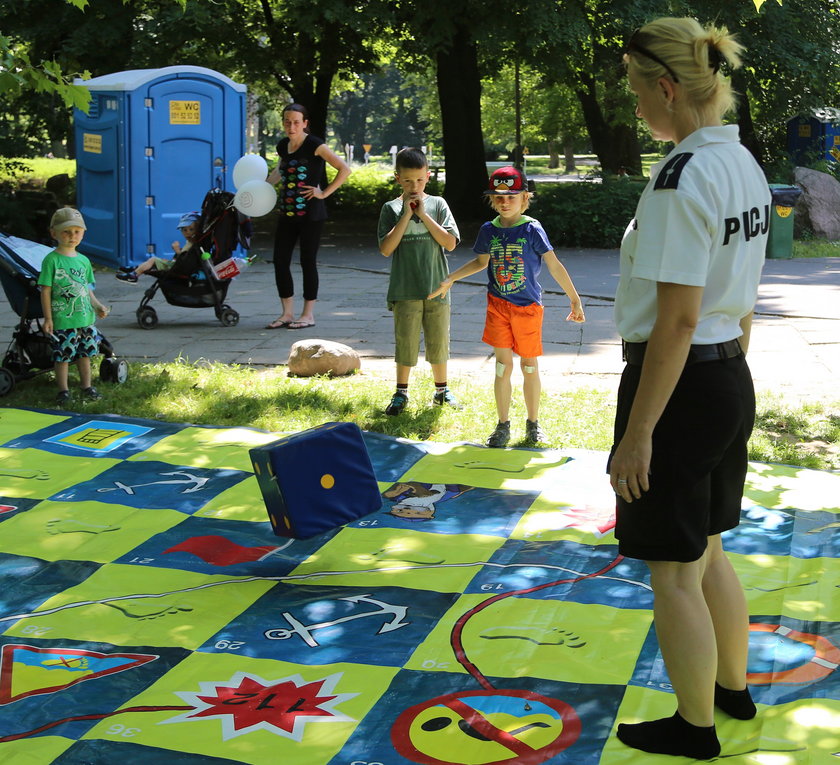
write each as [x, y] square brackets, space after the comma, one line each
[255, 198]
[251, 167]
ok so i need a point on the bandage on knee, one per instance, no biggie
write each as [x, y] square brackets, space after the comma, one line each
[529, 370]
[500, 369]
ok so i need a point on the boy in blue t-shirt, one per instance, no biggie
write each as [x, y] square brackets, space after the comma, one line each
[513, 248]
[69, 305]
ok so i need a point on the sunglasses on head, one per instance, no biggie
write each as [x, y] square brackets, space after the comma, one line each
[634, 47]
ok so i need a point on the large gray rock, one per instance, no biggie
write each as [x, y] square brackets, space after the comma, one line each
[818, 209]
[322, 357]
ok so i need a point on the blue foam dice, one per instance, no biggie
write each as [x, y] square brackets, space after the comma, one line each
[316, 480]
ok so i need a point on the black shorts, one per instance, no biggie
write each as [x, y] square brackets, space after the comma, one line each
[698, 465]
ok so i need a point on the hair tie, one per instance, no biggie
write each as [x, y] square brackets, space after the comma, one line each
[715, 58]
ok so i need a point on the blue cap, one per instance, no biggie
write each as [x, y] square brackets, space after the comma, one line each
[187, 218]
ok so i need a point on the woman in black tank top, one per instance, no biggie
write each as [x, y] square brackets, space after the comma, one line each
[302, 186]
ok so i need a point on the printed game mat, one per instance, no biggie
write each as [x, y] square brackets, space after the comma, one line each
[482, 615]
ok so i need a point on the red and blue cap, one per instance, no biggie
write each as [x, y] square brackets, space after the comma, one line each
[506, 181]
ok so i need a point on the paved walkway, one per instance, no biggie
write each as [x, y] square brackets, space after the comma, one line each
[795, 347]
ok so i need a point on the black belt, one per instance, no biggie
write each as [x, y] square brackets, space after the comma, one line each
[634, 353]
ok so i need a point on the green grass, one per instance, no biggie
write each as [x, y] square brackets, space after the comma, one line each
[807, 435]
[39, 169]
[815, 248]
[217, 394]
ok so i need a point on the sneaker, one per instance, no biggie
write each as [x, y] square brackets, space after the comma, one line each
[91, 394]
[500, 436]
[399, 401]
[445, 397]
[534, 434]
[127, 276]
[62, 397]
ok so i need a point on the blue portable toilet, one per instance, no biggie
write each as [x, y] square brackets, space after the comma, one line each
[815, 135]
[154, 142]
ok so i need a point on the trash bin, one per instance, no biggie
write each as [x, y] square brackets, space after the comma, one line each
[780, 236]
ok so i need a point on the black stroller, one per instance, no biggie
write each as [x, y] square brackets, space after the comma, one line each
[194, 281]
[29, 353]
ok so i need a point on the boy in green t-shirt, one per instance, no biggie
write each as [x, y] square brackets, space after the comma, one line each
[69, 305]
[417, 229]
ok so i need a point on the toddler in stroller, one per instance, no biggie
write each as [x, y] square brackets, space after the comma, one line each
[199, 275]
[188, 226]
[30, 353]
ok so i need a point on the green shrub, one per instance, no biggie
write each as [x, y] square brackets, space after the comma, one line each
[579, 214]
[13, 216]
[587, 214]
[12, 171]
[369, 187]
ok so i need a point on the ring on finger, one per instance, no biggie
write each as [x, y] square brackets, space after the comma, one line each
[621, 481]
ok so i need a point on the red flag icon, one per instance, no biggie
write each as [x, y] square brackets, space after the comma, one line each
[220, 551]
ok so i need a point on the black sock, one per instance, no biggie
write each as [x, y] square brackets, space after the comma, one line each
[737, 704]
[671, 735]
[402, 388]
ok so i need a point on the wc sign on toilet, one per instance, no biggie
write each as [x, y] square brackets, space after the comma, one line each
[185, 112]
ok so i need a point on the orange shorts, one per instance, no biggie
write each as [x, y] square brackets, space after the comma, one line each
[514, 326]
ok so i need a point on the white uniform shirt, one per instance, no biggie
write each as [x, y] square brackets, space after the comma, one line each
[701, 221]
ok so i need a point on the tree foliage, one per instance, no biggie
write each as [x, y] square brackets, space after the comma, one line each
[404, 71]
[385, 108]
[19, 74]
[295, 49]
[38, 56]
[790, 64]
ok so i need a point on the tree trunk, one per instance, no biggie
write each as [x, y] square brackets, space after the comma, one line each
[459, 91]
[746, 127]
[616, 145]
[569, 155]
[310, 76]
[553, 156]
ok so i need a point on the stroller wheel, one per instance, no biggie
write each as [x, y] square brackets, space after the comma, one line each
[229, 317]
[13, 363]
[113, 370]
[147, 317]
[7, 381]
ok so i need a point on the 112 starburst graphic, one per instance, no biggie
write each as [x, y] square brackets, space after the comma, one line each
[247, 702]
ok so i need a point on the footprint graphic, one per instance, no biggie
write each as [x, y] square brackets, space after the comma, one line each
[538, 635]
[71, 526]
[148, 609]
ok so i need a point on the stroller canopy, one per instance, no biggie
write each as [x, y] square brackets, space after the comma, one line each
[20, 265]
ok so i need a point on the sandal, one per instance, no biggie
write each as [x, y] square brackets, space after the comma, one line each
[278, 324]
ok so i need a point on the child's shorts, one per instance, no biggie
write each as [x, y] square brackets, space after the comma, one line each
[161, 264]
[71, 344]
[514, 326]
[412, 315]
[698, 465]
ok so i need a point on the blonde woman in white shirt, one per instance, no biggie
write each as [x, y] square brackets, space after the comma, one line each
[690, 266]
